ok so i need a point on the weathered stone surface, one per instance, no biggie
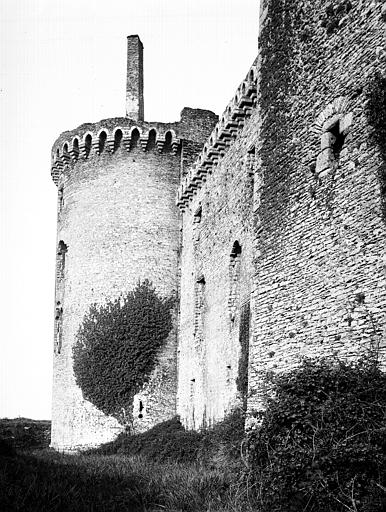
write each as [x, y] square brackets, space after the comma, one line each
[320, 253]
[115, 237]
[281, 235]
[118, 220]
[211, 357]
[316, 239]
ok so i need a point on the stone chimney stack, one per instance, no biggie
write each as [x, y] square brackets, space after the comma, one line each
[134, 79]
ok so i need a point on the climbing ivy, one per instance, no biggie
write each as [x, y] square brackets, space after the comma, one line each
[321, 445]
[117, 346]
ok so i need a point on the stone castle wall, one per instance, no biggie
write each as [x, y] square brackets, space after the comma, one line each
[312, 236]
[279, 249]
[320, 282]
[216, 268]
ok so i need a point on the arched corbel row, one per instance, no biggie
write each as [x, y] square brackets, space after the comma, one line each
[89, 144]
[238, 110]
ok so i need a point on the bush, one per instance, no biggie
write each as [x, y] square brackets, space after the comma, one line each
[23, 434]
[166, 441]
[117, 347]
[218, 446]
[6, 448]
[321, 445]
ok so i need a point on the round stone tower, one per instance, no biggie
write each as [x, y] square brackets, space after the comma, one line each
[117, 223]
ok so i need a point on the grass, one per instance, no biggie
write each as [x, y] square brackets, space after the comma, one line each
[164, 469]
[47, 481]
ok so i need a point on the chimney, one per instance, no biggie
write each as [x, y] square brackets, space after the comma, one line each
[134, 79]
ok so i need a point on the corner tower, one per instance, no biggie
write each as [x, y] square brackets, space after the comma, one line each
[117, 224]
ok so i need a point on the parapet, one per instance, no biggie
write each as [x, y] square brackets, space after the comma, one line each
[109, 135]
[227, 128]
[196, 123]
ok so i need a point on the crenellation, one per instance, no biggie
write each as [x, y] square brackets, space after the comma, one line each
[90, 144]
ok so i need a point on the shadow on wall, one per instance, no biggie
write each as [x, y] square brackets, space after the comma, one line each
[376, 117]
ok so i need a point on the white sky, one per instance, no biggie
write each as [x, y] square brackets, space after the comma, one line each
[63, 63]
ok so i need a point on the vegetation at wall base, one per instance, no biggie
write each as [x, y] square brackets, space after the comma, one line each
[321, 446]
[47, 481]
[117, 347]
[218, 446]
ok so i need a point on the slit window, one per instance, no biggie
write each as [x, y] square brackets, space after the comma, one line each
[199, 305]
[61, 260]
[197, 217]
[140, 409]
[336, 140]
[250, 169]
[60, 198]
[332, 141]
[58, 327]
[244, 332]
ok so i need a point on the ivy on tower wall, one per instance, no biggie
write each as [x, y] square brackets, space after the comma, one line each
[117, 347]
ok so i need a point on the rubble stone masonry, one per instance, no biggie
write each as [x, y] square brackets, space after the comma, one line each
[277, 251]
[311, 228]
[319, 259]
[215, 284]
[117, 224]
